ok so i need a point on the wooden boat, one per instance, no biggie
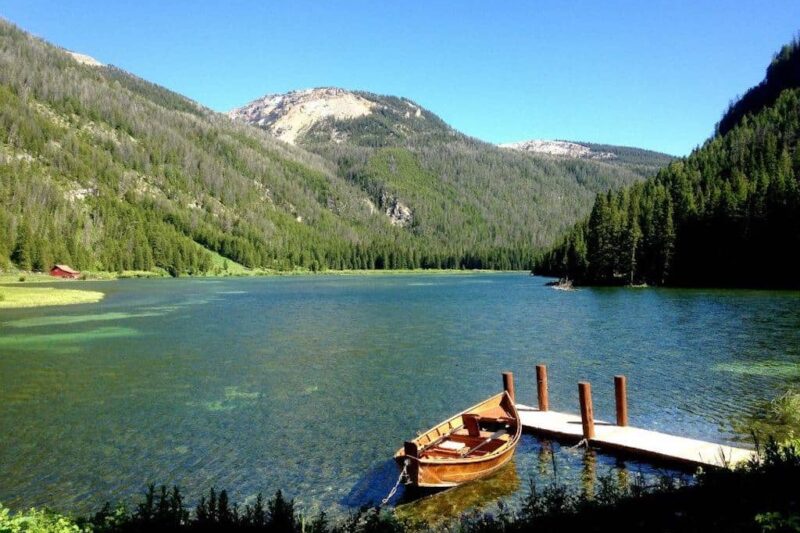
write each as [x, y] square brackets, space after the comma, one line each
[472, 444]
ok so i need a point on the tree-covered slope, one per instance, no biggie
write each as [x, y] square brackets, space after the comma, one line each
[102, 170]
[105, 171]
[456, 190]
[727, 215]
[783, 73]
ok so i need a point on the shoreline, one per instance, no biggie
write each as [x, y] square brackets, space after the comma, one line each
[21, 278]
[30, 297]
[19, 290]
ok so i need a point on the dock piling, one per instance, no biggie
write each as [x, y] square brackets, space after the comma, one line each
[621, 393]
[620, 436]
[587, 413]
[541, 387]
[508, 384]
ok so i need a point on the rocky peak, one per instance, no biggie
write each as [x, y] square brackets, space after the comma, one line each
[558, 148]
[287, 116]
[84, 59]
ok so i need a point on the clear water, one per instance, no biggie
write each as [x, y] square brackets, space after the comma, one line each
[310, 384]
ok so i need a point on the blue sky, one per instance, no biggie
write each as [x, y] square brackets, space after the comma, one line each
[641, 73]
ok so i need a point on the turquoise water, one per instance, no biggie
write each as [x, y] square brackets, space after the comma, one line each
[310, 384]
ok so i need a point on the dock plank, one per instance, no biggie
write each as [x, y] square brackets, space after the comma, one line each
[633, 440]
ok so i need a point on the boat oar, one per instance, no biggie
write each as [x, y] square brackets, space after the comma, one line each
[493, 436]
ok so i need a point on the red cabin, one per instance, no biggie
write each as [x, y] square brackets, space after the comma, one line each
[63, 271]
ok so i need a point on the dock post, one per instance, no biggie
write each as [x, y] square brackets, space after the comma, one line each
[587, 413]
[621, 393]
[541, 387]
[508, 384]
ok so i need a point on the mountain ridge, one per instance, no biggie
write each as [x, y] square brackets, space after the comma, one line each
[558, 148]
[266, 112]
[104, 170]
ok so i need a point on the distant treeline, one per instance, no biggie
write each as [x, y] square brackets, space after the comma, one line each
[727, 215]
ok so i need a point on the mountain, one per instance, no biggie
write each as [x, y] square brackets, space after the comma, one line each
[102, 170]
[558, 148]
[446, 188]
[726, 215]
[288, 116]
[646, 162]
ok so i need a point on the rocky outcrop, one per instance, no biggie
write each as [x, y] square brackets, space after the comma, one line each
[287, 116]
[558, 148]
[85, 60]
[399, 214]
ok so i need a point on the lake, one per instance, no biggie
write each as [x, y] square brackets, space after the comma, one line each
[311, 383]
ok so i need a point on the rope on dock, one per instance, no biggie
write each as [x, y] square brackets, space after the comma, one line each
[581, 443]
[403, 475]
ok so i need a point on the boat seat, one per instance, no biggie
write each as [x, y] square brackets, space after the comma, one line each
[495, 413]
[472, 423]
[451, 445]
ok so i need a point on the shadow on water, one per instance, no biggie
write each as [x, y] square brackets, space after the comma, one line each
[374, 486]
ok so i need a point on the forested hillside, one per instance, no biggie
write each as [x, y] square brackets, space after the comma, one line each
[497, 205]
[105, 171]
[727, 215]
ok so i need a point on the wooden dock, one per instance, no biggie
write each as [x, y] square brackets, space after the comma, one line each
[635, 441]
[618, 437]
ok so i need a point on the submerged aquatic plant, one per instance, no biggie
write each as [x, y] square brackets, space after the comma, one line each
[779, 418]
[768, 369]
[786, 409]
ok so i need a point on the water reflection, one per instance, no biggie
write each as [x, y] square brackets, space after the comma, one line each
[451, 503]
[589, 473]
[546, 463]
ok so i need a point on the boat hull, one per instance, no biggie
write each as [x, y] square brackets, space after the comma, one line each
[430, 461]
[442, 476]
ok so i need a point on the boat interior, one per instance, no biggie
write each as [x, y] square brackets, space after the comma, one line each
[469, 435]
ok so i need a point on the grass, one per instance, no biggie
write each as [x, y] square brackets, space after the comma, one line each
[17, 297]
[7, 277]
[219, 269]
[16, 277]
[222, 266]
[15, 293]
[403, 271]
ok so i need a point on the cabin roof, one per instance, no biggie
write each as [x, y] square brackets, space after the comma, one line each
[66, 269]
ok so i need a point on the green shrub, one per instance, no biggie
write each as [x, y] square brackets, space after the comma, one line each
[36, 521]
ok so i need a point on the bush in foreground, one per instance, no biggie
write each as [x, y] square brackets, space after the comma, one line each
[762, 495]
